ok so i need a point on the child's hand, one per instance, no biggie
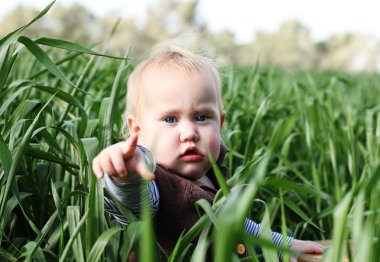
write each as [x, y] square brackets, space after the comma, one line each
[120, 160]
[306, 247]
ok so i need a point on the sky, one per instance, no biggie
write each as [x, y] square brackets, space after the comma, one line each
[245, 17]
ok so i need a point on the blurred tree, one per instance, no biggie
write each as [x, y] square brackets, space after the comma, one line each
[221, 45]
[289, 47]
[166, 19]
[76, 23]
[187, 15]
[20, 16]
[349, 52]
[127, 34]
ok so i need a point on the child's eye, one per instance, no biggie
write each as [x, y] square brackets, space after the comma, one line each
[169, 119]
[200, 118]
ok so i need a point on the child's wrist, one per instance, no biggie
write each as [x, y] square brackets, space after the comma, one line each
[148, 158]
[122, 180]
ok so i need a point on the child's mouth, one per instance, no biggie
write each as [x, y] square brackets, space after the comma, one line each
[191, 154]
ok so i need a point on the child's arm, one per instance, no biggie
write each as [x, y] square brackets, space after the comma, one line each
[123, 162]
[305, 247]
[122, 167]
[253, 228]
[129, 195]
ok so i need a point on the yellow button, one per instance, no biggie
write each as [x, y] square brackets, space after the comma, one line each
[241, 249]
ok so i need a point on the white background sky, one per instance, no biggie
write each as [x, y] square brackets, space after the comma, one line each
[245, 17]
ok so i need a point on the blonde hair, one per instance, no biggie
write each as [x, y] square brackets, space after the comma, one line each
[172, 55]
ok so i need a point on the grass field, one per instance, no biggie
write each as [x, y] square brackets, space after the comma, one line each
[304, 158]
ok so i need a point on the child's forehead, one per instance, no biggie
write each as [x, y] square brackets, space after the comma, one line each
[176, 83]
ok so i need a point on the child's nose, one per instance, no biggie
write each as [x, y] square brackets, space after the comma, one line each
[189, 133]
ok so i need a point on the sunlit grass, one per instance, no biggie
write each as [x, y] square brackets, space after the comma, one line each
[304, 151]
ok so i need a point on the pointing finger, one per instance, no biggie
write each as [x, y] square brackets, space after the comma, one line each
[130, 146]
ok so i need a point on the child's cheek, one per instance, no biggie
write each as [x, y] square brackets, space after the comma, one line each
[214, 145]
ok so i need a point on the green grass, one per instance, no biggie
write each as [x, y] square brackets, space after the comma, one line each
[304, 158]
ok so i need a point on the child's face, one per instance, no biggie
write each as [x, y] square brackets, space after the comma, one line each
[179, 120]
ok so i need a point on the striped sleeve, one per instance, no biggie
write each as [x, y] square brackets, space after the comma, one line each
[129, 194]
[253, 229]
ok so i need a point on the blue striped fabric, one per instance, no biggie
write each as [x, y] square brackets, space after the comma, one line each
[253, 229]
[128, 194]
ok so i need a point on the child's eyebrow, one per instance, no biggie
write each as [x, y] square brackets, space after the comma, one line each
[169, 111]
[206, 107]
[209, 111]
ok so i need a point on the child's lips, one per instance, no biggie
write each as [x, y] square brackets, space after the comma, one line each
[191, 154]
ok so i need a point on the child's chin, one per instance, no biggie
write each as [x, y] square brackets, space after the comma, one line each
[192, 174]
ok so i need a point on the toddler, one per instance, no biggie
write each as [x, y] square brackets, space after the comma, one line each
[174, 115]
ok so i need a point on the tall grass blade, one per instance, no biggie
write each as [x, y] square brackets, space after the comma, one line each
[17, 157]
[58, 43]
[340, 232]
[39, 154]
[299, 212]
[219, 177]
[6, 255]
[94, 201]
[21, 112]
[265, 232]
[73, 237]
[13, 34]
[44, 59]
[109, 107]
[29, 253]
[9, 208]
[5, 157]
[232, 216]
[19, 89]
[100, 244]
[73, 216]
[148, 243]
[7, 58]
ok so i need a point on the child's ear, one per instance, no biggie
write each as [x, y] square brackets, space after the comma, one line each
[133, 125]
[222, 120]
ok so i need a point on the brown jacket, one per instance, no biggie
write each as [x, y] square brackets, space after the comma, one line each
[177, 212]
